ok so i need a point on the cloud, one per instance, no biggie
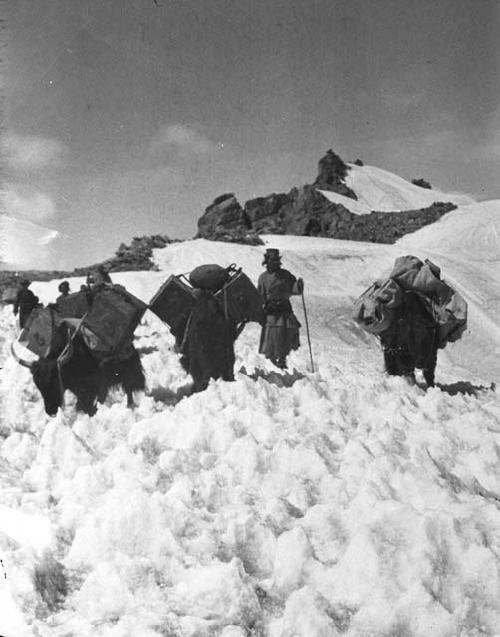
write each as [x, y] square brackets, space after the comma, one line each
[34, 207]
[31, 152]
[182, 141]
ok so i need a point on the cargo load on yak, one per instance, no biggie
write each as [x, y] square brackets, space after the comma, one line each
[110, 322]
[73, 305]
[210, 277]
[173, 302]
[235, 294]
[240, 300]
[41, 334]
[374, 309]
[9, 294]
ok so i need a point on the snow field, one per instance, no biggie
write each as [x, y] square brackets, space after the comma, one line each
[340, 502]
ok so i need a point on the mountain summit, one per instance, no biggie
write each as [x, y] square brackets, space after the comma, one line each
[345, 201]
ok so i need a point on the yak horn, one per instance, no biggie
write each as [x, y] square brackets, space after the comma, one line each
[20, 360]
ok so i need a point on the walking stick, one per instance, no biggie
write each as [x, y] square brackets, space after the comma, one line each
[307, 331]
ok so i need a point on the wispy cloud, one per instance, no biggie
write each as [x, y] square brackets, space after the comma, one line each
[31, 152]
[183, 141]
[34, 206]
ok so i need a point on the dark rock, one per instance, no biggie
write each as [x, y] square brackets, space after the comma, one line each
[332, 171]
[224, 214]
[358, 162]
[422, 183]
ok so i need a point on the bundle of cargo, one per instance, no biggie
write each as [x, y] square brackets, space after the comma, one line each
[9, 294]
[374, 309]
[110, 322]
[240, 300]
[235, 294]
[73, 305]
[211, 277]
[173, 302]
[41, 334]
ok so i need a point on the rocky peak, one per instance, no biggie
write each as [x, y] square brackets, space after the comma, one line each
[332, 171]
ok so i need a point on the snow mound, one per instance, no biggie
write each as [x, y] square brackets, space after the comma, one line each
[470, 232]
[384, 191]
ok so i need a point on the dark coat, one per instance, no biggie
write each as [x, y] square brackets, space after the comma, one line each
[280, 332]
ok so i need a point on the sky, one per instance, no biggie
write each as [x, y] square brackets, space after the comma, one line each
[123, 118]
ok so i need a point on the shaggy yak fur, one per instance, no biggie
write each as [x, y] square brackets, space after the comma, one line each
[411, 341]
[87, 378]
[207, 343]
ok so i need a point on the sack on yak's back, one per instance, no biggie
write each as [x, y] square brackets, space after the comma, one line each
[405, 270]
[374, 309]
[451, 317]
[426, 282]
[211, 277]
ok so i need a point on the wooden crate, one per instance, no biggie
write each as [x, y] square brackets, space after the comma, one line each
[240, 300]
[173, 302]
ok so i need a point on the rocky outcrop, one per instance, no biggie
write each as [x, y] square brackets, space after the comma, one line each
[377, 227]
[422, 183]
[224, 215]
[135, 256]
[332, 172]
[305, 211]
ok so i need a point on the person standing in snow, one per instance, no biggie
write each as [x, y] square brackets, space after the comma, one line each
[280, 332]
[25, 302]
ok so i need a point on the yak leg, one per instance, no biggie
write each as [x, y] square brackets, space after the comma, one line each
[398, 362]
[430, 370]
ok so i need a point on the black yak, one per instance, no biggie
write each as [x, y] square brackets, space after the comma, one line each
[88, 378]
[207, 342]
[411, 341]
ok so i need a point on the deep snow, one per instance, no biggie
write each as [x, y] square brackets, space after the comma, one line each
[340, 502]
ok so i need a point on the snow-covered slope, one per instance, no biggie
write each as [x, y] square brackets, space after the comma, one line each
[340, 502]
[384, 191]
[24, 244]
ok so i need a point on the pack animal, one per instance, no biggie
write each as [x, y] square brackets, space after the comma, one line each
[75, 368]
[208, 343]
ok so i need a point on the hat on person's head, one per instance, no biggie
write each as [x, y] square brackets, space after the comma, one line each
[63, 285]
[271, 254]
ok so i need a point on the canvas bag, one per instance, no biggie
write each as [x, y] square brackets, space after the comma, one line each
[374, 309]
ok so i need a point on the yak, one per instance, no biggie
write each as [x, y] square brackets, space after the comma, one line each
[206, 342]
[411, 341]
[74, 367]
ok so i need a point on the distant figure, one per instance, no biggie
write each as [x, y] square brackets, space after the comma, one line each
[63, 288]
[84, 288]
[25, 302]
[100, 276]
[280, 333]
[103, 275]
